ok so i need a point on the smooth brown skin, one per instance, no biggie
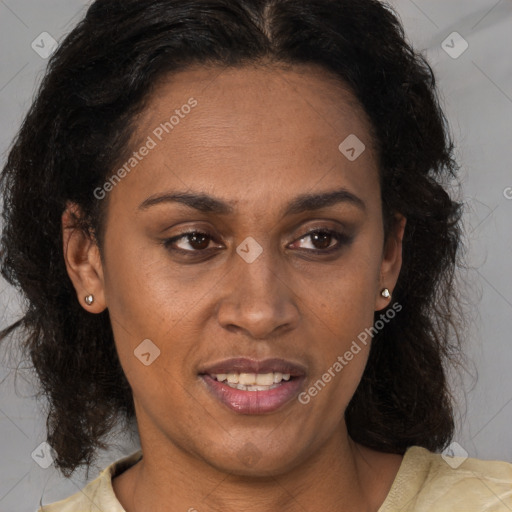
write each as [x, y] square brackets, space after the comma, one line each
[259, 137]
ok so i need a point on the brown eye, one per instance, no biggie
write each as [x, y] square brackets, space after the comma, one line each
[198, 240]
[323, 241]
[193, 241]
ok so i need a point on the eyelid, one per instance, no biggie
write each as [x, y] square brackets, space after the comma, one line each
[340, 237]
[168, 241]
[323, 224]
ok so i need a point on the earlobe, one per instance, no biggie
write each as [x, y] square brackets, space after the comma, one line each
[391, 263]
[83, 261]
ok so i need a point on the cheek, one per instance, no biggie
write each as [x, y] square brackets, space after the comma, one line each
[343, 294]
[143, 290]
[150, 299]
[341, 342]
[342, 307]
[146, 314]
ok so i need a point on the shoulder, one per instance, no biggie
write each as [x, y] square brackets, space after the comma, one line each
[97, 494]
[428, 482]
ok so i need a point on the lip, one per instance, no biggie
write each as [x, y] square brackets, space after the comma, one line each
[254, 402]
[245, 365]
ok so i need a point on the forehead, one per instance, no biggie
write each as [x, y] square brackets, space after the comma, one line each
[258, 100]
[253, 130]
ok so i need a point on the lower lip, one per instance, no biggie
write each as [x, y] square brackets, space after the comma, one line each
[254, 402]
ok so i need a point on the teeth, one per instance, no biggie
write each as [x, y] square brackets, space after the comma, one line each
[247, 379]
[232, 378]
[253, 388]
[254, 380]
[265, 379]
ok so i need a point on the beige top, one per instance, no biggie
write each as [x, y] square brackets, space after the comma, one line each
[425, 482]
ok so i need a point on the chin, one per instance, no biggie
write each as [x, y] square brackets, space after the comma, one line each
[251, 459]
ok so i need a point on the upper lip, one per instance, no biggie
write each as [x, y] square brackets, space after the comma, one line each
[245, 365]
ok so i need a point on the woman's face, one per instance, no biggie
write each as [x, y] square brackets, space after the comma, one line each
[252, 158]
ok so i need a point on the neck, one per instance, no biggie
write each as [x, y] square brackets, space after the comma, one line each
[341, 476]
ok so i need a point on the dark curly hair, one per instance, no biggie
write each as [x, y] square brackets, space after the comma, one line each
[81, 124]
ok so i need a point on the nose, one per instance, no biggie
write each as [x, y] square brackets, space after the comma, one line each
[259, 299]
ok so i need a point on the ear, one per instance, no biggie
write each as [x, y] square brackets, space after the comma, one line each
[83, 261]
[391, 261]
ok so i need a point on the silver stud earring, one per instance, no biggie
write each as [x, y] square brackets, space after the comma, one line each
[89, 299]
[385, 293]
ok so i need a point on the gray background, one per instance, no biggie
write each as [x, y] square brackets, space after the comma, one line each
[476, 92]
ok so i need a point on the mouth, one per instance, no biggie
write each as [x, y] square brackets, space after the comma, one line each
[248, 386]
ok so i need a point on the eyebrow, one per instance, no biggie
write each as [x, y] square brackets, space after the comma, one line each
[209, 204]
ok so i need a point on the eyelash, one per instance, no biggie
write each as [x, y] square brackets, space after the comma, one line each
[341, 238]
